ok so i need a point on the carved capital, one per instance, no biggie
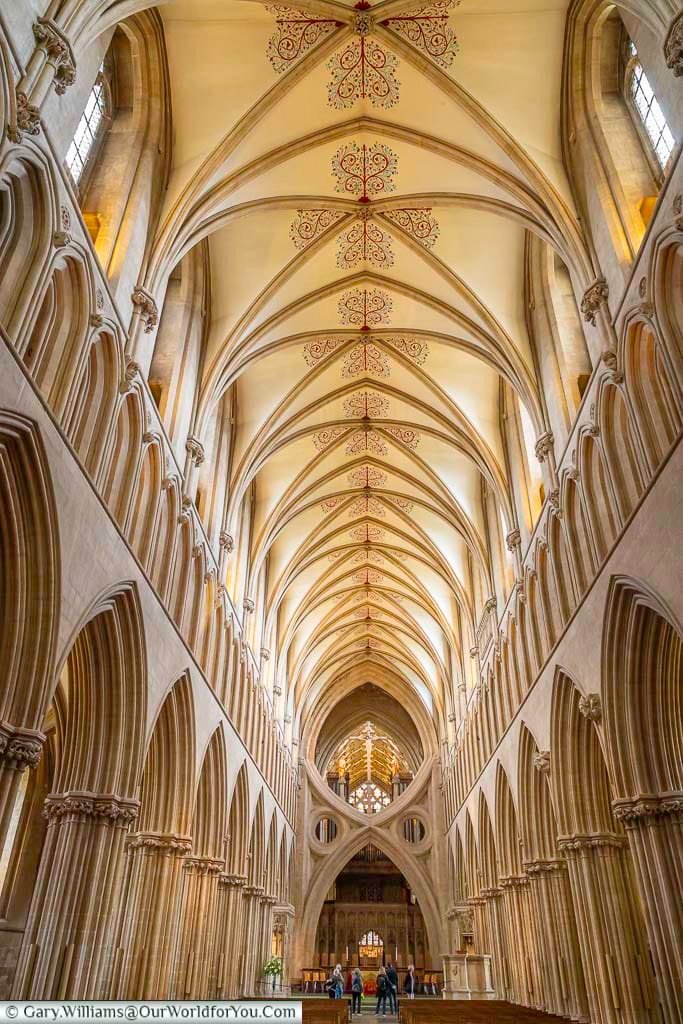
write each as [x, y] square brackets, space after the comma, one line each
[609, 358]
[226, 542]
[544, 867]
[232, 881]
[474, 651]
[554, 503]
[514, 881]
[265, 654]
[595, 295]
[185, 511]
[648, 809]
[195, 449]
[248, 605]
[90, 807]
[542, 761]
[164, 844]
[590, 841]
[57, 49]
[131, 371]
[203, 866]
[513, 540]
[673, 46]
[145, 305]
[591, 707]
[544, 446]
[20, 748]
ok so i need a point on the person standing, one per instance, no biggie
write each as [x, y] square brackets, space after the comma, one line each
[392, 986]
[410, 983]
[357, 990]
[382, 986]
[338, 982]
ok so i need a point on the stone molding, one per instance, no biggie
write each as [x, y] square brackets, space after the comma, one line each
[542, 761]
[226, 541]
[513, 540]
[514, 881]
[232, 881]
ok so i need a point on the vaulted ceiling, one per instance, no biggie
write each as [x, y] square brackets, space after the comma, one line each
[366, 177]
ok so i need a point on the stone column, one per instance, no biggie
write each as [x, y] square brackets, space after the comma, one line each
[283, 918]
[252, 903]
[564, 987]
[266, 933]
[152, 907]
[489, 936]
[19, 749]
[654, 828]
[520, 940]
[616, 964]
[197, 926]
[51, 63]
[68, 944]
[231, 936]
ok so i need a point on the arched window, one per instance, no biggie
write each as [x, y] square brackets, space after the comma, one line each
[369, 798]
[90, 130]
[647, 114]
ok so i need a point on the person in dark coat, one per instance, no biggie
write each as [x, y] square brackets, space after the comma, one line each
[357, 990]
[410, 983]
[382, 987]
[392, 988]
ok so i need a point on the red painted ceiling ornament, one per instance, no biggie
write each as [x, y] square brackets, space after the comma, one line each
[366, 358]
[314, 351]
[310, 224]
[400, 502]
[295, 35]
[367, 505]
[366, 441]
[364, 308]
[419, 223]
[371, 644]
[366, 405]
[410, 438]
[329, 504]
[365, 171]
[364, 242]
[323, 438]
[367, 476]
[367, 613]
[416, 351]
[368, 533]
[363, 70]
[428, 30]
[370, 576]
[368, 555]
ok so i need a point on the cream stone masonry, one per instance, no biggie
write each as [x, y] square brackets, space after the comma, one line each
[341, 403]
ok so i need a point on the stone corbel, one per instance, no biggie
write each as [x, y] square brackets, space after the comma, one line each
[590, 707]
[542, 761]
[595, 296]
[27, 119]
[673, 46]
[609, 358]
[20, 748]
[146, 308]
[195, 449]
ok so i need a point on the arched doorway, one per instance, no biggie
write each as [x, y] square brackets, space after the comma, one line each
[371, 917]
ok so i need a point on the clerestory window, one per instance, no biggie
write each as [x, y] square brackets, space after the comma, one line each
[649, 115]
[90, 128]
